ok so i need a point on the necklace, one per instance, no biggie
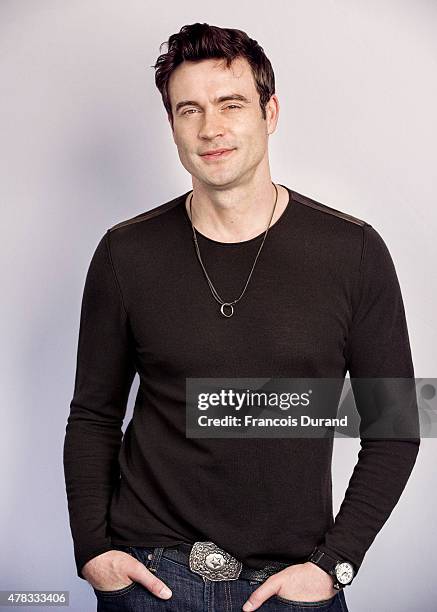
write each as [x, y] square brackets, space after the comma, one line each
[229, 305]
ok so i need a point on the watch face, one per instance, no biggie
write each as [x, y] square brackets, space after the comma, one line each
[344, 572]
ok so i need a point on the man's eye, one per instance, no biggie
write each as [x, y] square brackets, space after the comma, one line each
[188, 112]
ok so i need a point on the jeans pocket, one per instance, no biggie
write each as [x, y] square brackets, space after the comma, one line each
[322, 603]
[117, 592]
[124, 590]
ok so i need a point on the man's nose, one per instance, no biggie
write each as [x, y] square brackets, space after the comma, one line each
[212, 125]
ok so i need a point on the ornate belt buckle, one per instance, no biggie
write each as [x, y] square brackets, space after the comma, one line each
[208, 560]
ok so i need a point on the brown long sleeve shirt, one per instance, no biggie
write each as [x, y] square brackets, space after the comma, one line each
[324, 299]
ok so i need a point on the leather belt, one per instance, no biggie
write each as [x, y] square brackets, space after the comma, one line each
[214, 563]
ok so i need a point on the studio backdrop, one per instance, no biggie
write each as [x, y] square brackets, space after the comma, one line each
[85, 143]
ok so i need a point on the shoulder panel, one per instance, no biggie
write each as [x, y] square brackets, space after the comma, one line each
[154, 212]
[302, 199]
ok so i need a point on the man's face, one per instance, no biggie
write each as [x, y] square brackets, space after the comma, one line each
[205, 123]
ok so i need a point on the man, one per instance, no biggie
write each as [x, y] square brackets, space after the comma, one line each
[240, 277]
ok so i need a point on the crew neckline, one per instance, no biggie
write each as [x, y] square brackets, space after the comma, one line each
[241, 242]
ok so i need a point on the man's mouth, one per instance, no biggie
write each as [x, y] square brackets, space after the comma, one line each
[219, 154]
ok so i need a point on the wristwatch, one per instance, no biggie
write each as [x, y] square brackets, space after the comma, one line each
[342, 571]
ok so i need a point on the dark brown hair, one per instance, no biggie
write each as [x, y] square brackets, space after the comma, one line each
[199, 41]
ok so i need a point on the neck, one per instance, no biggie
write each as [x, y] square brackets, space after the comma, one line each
[238, 214]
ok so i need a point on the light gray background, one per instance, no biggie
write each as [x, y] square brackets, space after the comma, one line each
[85, 143]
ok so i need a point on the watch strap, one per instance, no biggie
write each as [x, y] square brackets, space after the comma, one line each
[328, 564]
[323, 560]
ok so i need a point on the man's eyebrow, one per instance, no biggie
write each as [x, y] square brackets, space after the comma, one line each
[234, 96]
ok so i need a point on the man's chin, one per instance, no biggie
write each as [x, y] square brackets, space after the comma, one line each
[218, 181]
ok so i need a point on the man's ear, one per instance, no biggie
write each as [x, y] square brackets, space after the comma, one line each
[171, 124]
[272, 112]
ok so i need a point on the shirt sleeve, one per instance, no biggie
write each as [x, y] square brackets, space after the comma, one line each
[104, 374]
[377, 347]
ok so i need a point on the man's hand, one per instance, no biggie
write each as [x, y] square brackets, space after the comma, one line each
[116, 569]
[300, 582]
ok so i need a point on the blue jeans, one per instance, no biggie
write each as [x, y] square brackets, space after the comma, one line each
[195, 593]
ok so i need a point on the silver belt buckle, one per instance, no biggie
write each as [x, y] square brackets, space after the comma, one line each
[208, 560]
